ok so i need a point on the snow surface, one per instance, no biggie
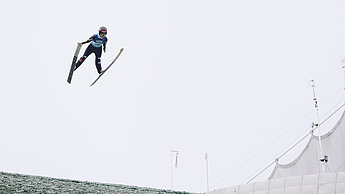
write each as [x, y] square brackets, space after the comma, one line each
[18, 183]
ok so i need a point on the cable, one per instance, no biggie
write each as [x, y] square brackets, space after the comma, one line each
[332, 114]
[269, 144]
[342, 89]
[265, 147]
[297, 142]
[261, 172]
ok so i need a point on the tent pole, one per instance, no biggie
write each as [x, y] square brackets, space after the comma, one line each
[317, 125]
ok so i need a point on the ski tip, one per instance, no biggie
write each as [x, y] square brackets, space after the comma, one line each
[121, 49]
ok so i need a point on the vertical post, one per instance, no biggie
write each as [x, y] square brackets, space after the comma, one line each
[172, 167]
[206, 158]
[343, 66]
[322, 160]
[172, 172]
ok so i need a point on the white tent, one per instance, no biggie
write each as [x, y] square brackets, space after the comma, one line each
[305, 173]
[309, 184]
[307, 163]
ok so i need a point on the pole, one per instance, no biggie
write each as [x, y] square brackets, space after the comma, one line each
[206, 158]
[343, 66]
[322, 160]
[172, 168]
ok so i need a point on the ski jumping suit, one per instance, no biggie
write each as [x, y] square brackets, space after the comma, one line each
[94, 47]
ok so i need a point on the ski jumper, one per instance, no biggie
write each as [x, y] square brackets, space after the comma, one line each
[96, 48]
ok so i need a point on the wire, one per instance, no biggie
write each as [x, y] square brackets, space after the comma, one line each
[264, 148]
[297, 142]
[332, 113]
[274, 140]
[261, 172]
[329, 98]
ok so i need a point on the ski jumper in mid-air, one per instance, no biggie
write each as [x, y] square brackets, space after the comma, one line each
[97, 40]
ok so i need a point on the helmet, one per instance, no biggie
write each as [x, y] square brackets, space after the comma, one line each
[102, 30]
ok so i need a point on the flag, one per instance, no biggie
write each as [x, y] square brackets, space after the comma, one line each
[176, 160]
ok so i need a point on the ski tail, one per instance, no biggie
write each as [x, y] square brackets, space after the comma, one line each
[75, 57]
[100, 75]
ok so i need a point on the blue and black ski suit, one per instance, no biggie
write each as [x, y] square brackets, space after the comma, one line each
[96, 48]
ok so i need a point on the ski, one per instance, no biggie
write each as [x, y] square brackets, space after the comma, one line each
[100, 75]
[75, 57]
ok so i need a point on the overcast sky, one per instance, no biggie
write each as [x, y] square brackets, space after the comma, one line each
[223, 77]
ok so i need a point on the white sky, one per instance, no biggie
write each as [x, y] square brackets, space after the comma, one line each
[224, 77]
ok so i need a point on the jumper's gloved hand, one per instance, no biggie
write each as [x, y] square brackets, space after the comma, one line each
[104, 49]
